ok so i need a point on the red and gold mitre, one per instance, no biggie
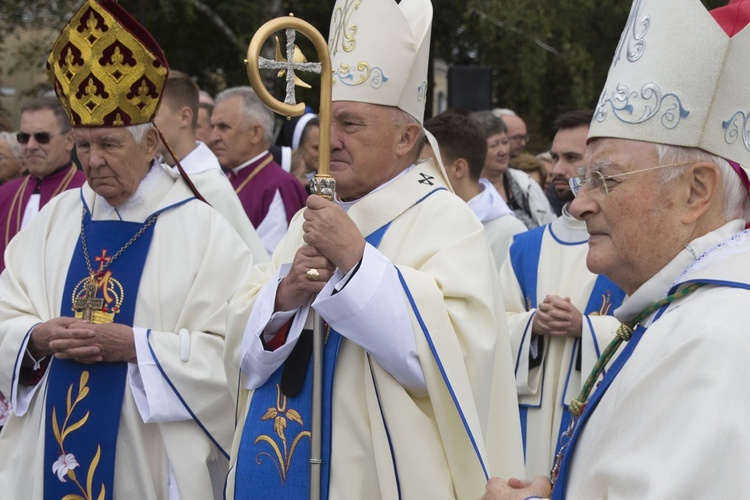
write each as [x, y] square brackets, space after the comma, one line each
[106, 69]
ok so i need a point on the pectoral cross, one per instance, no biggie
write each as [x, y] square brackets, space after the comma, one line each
[89, 303]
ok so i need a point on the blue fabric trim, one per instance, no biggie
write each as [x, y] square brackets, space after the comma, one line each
[565, 243]
[251, 478]
[725, 283]
[523, 412]
[571, 368]
[427, 195]
[442, 370]
[558, 493]
[182, 400]
[597, 350]
[387, 433]
[524, 257]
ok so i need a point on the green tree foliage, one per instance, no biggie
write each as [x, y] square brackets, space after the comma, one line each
[548, 56]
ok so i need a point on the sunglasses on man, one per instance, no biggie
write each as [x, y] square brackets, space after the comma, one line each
[39, 137]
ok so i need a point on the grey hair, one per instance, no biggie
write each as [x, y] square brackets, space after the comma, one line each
[400, 118]
[500, 112]
[490, 124]
[736, 200]
[139, 131]
[252, 108]
[13, 144]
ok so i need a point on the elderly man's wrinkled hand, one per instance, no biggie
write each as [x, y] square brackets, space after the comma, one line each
[308, 275]
[72, 330]
[90, 343]
[329, 229]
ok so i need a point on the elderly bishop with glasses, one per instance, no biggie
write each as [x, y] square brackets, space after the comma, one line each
[664, 194]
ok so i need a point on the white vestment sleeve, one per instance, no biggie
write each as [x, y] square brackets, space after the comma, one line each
[257, 363]
[372, 312]
[155, 399]
[274, 225]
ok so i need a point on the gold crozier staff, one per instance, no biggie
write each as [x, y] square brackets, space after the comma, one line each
[322, 184]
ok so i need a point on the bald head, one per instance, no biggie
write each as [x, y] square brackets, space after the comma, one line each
[517, 134]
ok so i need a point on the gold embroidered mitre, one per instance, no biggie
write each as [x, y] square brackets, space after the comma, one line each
[380, 51]
[106, 69]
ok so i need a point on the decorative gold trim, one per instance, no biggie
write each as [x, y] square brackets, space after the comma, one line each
[282, 456]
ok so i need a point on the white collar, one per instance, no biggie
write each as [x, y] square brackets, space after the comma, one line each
[134, 203]
[488, 204]
[346, 205]
[200, 159]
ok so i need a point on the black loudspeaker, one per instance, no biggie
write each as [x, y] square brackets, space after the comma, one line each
[470, 87]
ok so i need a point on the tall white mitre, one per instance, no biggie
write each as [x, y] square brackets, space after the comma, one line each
[379, 52]
[677, 78]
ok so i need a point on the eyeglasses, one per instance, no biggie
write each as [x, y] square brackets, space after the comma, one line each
[40, 137]
[519, 138]
[599, 181]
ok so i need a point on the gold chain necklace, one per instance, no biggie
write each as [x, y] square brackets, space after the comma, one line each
[90, 302]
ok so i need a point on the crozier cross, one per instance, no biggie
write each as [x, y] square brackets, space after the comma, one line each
[89, 303]
[295, 61]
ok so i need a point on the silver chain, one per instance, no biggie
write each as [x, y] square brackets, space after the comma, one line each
[149, 222]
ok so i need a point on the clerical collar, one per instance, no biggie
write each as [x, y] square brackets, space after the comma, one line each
[236, 170]
[346, 205]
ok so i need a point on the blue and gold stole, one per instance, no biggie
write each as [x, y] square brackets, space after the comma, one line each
[84, 402]
[274, 454]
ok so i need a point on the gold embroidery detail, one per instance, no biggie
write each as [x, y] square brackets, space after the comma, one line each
[96, 48]
[343, 31]
[283, 455]
[67, 462]
[606, 305]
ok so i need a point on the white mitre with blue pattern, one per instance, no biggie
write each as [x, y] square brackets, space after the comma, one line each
[677, 78]
[379, 52]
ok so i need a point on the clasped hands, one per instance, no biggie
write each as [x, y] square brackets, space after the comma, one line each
[332, 241]
[556, 315]
[83, 341]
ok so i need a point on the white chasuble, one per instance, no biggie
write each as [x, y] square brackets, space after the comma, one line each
[439, 247]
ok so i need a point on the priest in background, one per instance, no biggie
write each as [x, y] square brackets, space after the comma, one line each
[46, 142]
